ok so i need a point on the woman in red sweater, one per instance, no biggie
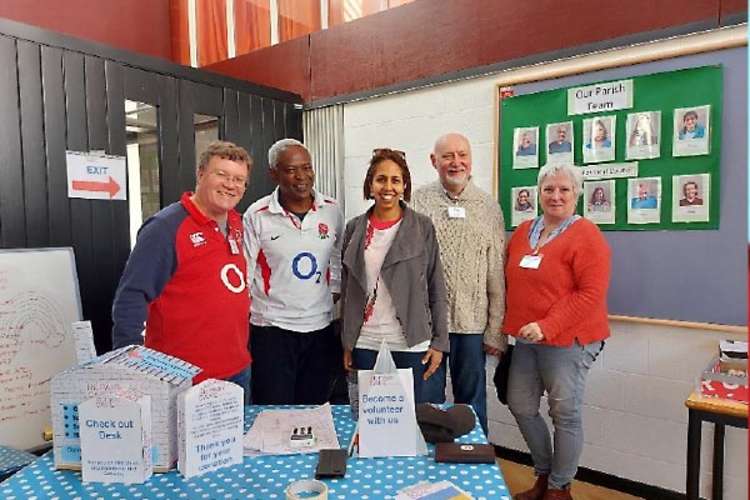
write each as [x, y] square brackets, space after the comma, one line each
[557, 274]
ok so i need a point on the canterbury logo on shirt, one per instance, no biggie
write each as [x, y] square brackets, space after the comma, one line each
[197, 239]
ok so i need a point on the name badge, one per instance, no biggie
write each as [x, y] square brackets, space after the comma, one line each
[456, 212]
[234, 246]
[531, 261]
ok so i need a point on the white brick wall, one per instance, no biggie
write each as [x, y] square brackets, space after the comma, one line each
[635, 418]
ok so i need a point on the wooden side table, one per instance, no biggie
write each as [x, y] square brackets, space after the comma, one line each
[721, 412]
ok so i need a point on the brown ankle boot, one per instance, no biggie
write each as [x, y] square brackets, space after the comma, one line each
[555, 494]
[537, 491]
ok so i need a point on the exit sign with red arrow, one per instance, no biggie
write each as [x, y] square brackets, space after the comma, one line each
[96, 176]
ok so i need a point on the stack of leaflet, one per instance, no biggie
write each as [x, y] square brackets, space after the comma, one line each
[726, 375]
[273, 432]
[733, 352]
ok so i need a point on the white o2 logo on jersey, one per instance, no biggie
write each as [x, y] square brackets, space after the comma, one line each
[225, 278]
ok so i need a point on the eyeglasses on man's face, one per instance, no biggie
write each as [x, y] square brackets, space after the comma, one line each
[236, 180]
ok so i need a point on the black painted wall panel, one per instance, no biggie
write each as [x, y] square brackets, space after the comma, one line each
[80, 210]
[54, 132]
[120, 220]
[187, 159]
[12, 210]
[171, 186]
[245, 123]
[32, 142]
[101, 210]
[207, 99]
[96, 102]
[279, 120]
[263, 116]
[141, 86]
[231, 121]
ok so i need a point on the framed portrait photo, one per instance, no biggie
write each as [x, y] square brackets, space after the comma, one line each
[525, 147]
[690, 197]
[692, 129]
[599, 201]
[524, 203]
[599, 139]
[644, 200]
[560, 143]
[643, 133]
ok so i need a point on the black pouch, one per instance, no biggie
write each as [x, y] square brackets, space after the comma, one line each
[465, 453]
[331, 463]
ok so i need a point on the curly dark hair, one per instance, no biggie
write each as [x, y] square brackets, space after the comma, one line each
[380, 155]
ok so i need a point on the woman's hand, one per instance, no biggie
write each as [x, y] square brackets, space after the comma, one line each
[433, 357]
[492, 351]
[531, 332]
[348, 360]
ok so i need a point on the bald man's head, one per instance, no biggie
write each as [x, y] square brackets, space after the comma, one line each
[451, 157]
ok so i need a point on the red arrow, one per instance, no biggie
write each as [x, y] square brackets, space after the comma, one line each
[111, 186]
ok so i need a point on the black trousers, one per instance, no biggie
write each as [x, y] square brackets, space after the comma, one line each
[293, 367]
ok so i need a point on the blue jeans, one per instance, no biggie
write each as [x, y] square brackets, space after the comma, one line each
[466, 360]
[364, 359]
[561, 372]
[243, 380]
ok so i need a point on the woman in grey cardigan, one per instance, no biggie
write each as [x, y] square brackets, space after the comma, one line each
[392, 285]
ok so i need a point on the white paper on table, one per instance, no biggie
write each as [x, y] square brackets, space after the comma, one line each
[271, 430]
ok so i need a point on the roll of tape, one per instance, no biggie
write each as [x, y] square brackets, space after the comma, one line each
[308, 487]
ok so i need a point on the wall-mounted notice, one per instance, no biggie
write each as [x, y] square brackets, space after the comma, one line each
[209, 425]
[39, 301]
[116, 438]
[599, 97]
[96, 176]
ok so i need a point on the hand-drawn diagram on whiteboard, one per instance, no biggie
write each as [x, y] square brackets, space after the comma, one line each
[39, 300]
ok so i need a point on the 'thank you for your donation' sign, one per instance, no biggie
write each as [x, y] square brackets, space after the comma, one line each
[599, 97]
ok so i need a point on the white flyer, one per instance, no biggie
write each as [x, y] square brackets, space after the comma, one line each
[209, 426]
[116, 438]
[271, 431]
[387, 417]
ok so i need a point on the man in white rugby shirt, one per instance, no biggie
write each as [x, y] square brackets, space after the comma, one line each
[292, 240]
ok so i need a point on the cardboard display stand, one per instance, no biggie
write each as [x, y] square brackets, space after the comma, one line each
[136, 368]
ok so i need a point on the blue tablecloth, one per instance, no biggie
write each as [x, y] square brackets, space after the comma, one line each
[12, 459]
[266, 477]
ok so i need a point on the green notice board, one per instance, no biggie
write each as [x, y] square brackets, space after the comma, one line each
[668, 97]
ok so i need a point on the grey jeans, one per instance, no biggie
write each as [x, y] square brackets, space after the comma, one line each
[561, 372]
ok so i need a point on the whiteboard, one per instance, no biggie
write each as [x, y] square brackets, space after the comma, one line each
[39, 299]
